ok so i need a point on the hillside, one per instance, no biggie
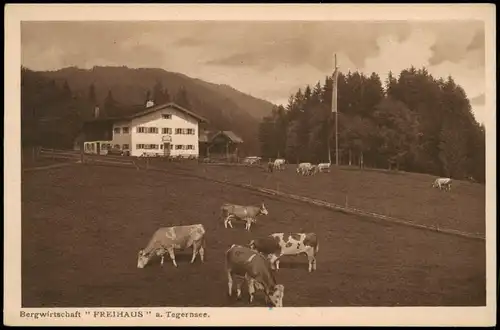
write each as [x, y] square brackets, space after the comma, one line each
[225, 107]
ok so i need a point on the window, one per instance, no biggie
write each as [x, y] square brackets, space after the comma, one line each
[166, 116]
[166, 130]
[125, 130]
[190, 147]
[178, 147]
[190, 131]
[141, 129]
[153, 130]
[116, 130]
[117, 146]
[147, 146]
[178, 131]
[125, 147]
[161, 146]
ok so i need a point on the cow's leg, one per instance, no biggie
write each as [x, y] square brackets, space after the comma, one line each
[230, 282]
[161, 254]
[228, 221]
[201, 251]
[172, 256]
[248, 224]
[311, 259]
[238, 289]
[195, 250]
[251, 287]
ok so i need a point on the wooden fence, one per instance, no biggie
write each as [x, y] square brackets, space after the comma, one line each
[90, 159]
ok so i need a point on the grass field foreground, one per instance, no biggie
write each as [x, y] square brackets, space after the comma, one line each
[82, 227]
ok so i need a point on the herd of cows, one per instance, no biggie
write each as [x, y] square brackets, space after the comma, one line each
[254, 263]
[302, 168]
[258, 261]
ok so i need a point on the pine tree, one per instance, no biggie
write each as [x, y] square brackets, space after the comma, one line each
[109, 104]
[66, 92]
[182, 99]
[92, 96]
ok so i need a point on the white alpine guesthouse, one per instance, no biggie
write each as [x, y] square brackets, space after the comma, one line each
[163, 130]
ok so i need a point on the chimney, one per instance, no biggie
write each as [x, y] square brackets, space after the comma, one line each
[149, 104]
[96, 112]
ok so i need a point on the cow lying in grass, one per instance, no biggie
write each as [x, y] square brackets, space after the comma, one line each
[247, 214]
[168, 239]
[256, 270]
[277, 245]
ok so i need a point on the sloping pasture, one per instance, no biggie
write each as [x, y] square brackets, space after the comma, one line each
[82, 227]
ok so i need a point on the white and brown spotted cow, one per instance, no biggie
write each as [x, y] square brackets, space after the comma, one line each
[280, 244]
[256, 270]
[168, 239]
[247, 214]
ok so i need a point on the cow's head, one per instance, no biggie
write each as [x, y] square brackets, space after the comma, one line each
[263, 209]
[142, 259]
[276, 295]
[251, 245]
[272, 258]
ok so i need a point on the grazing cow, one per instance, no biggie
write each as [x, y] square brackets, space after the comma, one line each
[471, 179]
[303, 168]
[252, 160]
[324, 167]
[270, 166]
[167, 239]
[256, 270]
[277, 245]
[279, 164]
[442, 183]
[312, 170]
[248, 214]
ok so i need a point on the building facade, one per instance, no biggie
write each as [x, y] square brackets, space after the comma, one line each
[162, 130]
[219, 144]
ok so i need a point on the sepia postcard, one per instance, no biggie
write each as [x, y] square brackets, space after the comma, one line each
[250, 164]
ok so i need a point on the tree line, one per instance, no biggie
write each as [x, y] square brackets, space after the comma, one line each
[415, 123]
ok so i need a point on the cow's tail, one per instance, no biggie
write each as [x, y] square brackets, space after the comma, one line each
[317, 247]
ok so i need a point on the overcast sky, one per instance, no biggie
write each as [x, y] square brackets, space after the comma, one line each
[269, 60]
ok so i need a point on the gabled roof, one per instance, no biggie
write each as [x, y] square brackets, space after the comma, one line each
[163, 106]
[151, 110]
[208, 136]
[232, 136]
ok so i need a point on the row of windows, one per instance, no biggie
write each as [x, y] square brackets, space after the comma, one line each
[106, 146]
[118, 130]
[165, 130]
[156, 146]
[155, 130]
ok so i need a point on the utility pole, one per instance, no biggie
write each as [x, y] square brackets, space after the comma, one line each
[335, 110]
